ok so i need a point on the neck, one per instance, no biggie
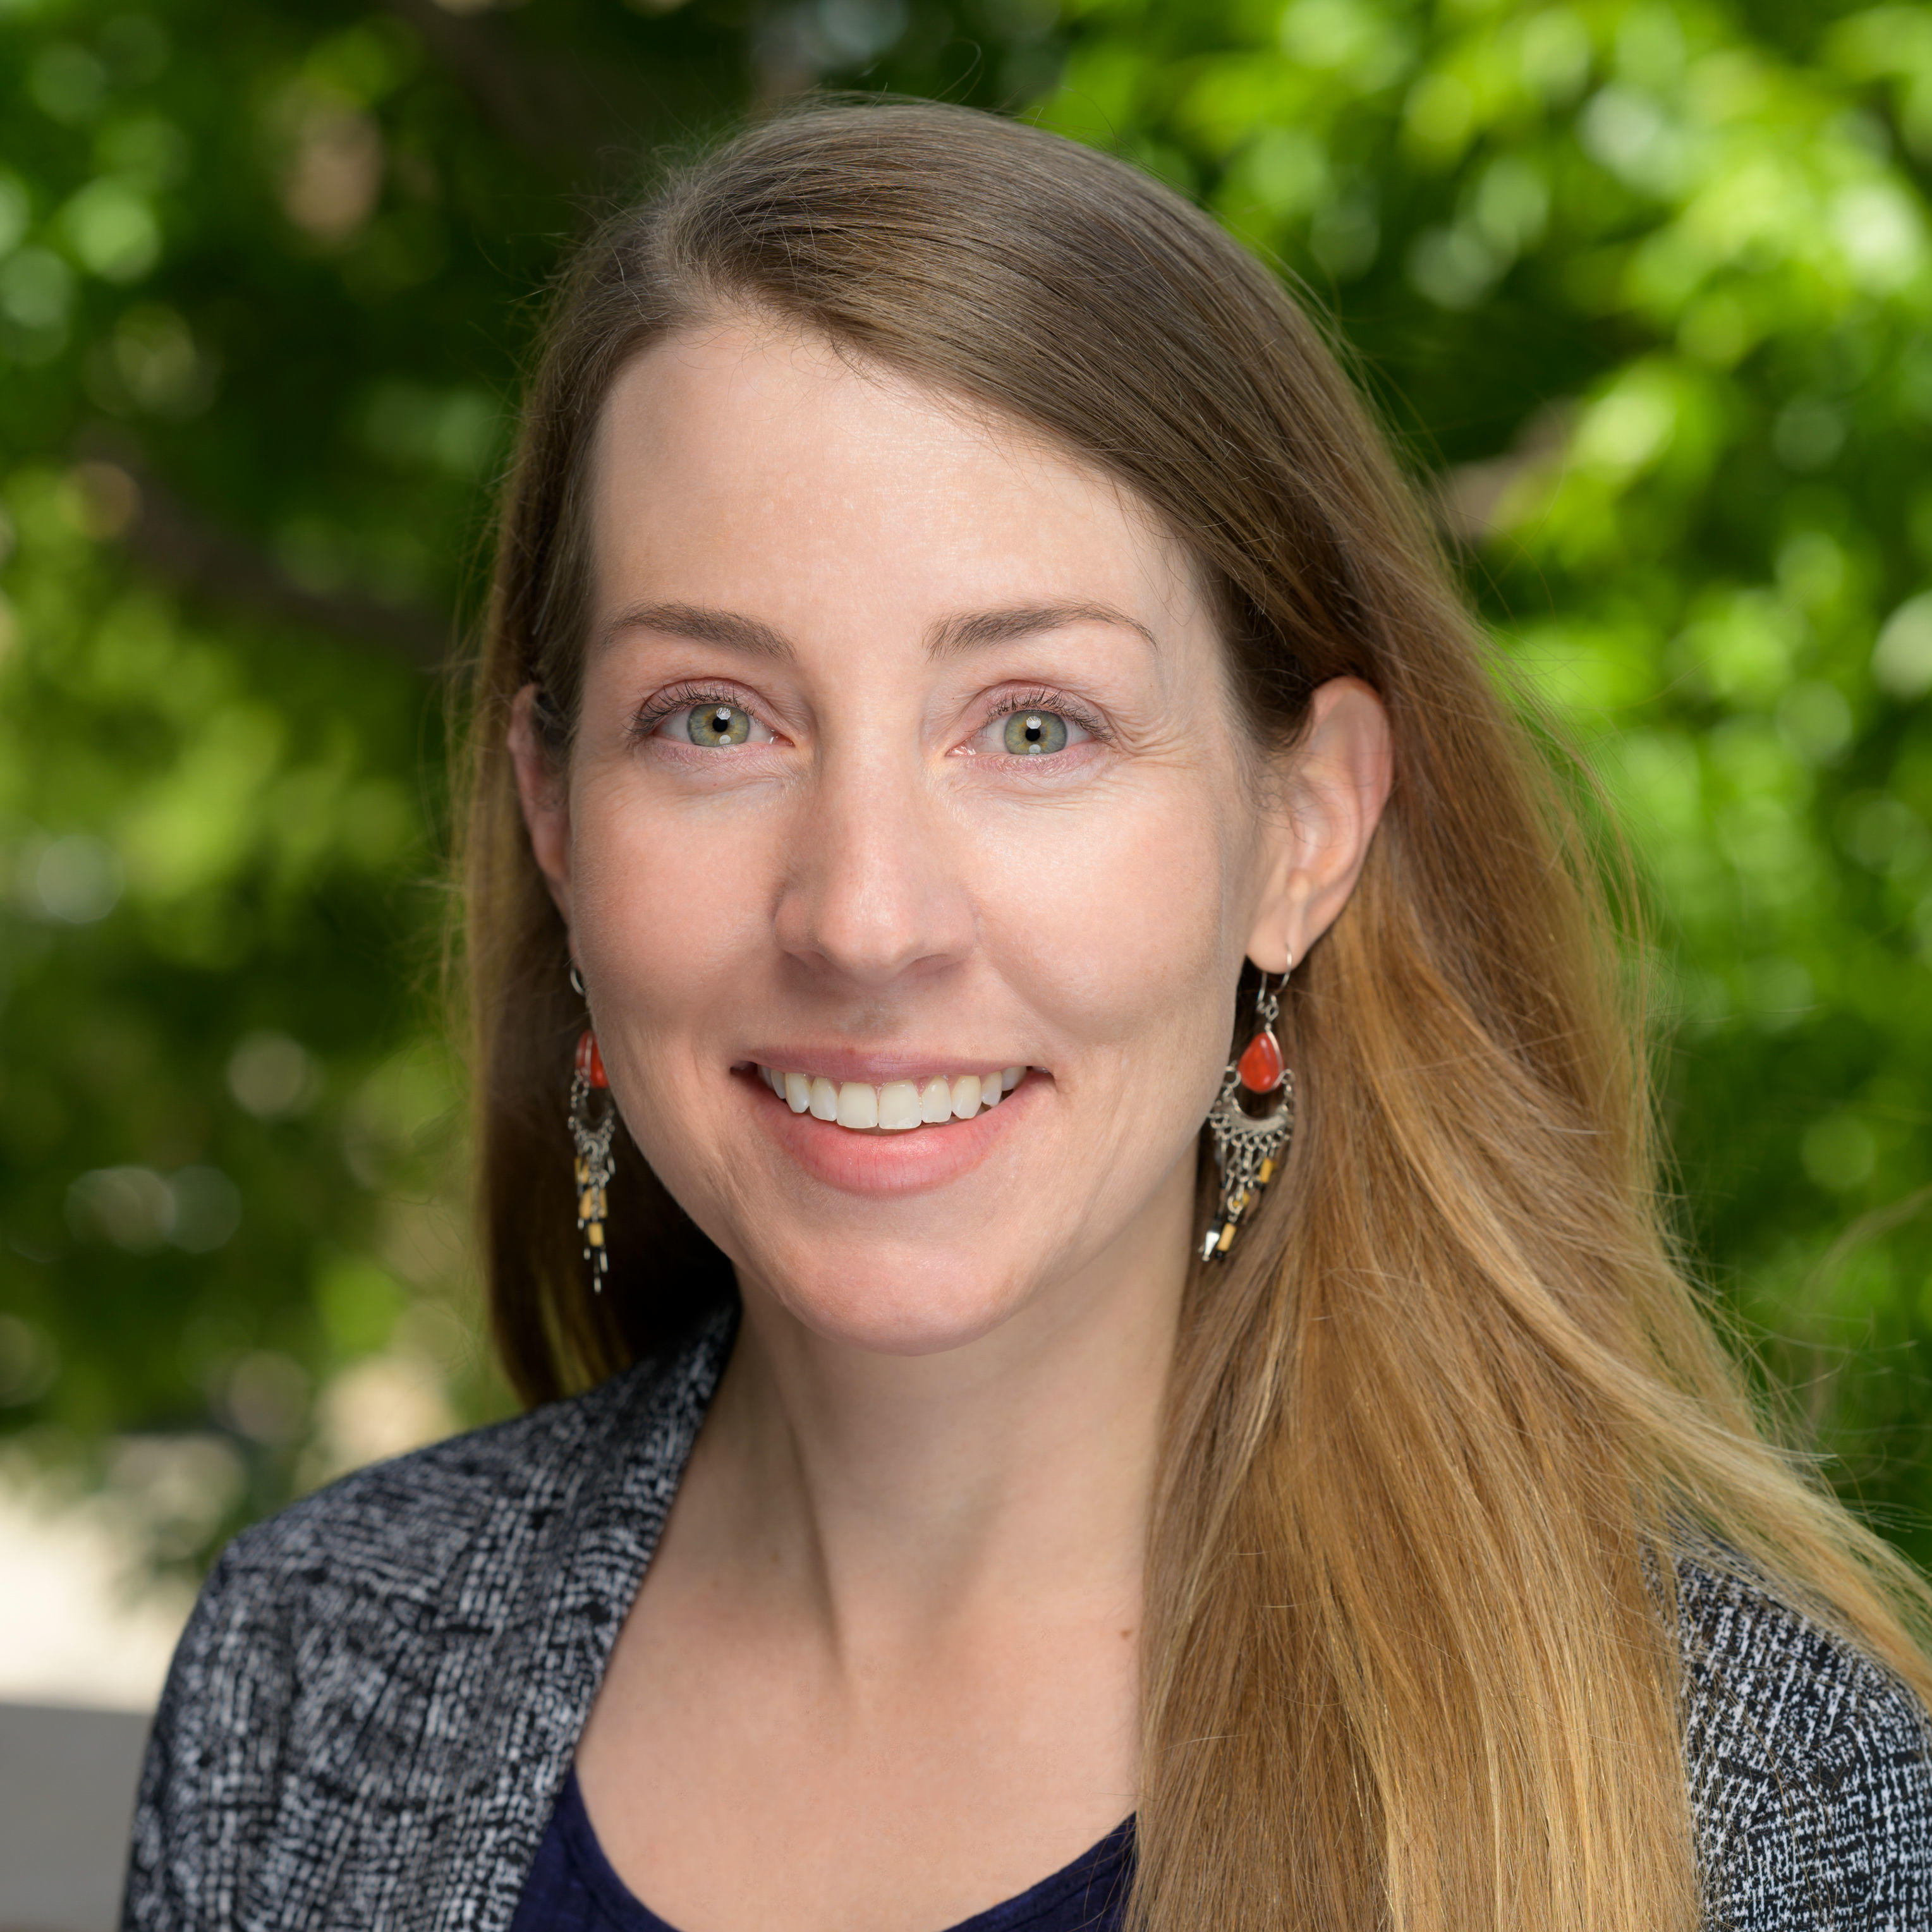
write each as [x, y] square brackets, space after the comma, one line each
[890, 1496]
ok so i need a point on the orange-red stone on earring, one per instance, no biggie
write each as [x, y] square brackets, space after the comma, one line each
[590, 1062]
[1260, 1068]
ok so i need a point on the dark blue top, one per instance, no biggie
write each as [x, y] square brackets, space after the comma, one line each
[572, 1887]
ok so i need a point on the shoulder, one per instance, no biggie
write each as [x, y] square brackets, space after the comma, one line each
[1811, 1769]
[395, 1523]
[341, 1652]
[393, 1527]
[395, 1552]
[405, 1533]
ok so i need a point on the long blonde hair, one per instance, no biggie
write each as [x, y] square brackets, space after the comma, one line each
[1441, 1427]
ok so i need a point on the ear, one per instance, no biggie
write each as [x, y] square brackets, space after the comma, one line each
[541, 792]
[1333, 788]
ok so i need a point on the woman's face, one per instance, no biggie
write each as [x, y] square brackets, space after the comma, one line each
[906, 758]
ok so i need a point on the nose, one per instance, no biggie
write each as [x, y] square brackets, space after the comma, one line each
[874, 890]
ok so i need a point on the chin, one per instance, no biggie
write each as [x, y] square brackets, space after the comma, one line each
[892, 1304]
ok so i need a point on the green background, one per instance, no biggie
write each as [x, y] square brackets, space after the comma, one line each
[1643, 290]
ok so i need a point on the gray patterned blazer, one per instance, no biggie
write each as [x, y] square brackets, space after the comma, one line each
[371, 1713]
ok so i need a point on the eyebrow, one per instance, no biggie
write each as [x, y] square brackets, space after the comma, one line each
[704, 626]
[953, 635]
[950, 637]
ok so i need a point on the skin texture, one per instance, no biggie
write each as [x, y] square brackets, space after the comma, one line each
[883, 1673]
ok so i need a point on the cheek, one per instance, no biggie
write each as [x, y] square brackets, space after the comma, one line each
[1120, 922]
[664, 912]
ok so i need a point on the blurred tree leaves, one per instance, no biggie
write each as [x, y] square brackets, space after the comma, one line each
[1643, 288]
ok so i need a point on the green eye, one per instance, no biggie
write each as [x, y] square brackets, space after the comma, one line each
[1030, 733]
[717, 725]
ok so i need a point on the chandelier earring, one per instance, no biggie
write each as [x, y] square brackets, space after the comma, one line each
[1250, 1146]
[593, 1128]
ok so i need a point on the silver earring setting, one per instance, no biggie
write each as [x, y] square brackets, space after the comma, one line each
[1248, 1148]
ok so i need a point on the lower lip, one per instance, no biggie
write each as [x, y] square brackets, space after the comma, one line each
[906, 1163]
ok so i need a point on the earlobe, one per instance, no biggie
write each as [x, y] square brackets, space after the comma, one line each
[1337, 781]
[542, 795]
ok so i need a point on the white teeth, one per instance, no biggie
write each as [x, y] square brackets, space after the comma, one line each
[896, 1106]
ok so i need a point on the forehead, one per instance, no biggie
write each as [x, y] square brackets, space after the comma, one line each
[745, 458]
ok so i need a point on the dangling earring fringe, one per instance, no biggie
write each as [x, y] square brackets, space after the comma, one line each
[1247, 1149]
[594, 1162]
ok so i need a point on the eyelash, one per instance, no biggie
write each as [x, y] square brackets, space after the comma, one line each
[681, 697]
[1055, 701]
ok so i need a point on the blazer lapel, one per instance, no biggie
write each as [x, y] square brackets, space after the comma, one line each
[515, 1704]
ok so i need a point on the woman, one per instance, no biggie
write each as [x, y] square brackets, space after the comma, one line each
[957, 648]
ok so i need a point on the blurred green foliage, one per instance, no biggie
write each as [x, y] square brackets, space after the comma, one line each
[1644, 289]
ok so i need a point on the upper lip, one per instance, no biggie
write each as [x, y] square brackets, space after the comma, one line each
[874, 1070]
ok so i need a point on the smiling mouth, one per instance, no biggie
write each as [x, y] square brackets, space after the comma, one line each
[897, 1107]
